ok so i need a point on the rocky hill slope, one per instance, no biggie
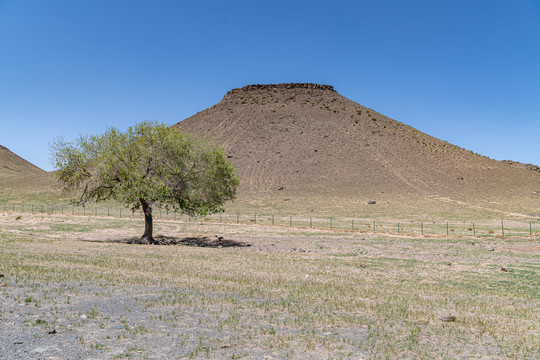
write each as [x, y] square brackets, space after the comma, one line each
[12, 165]
[306, 139]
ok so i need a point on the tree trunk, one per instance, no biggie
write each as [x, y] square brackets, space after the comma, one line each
[147, 237]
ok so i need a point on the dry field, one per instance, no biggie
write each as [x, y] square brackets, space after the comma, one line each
[72, 288]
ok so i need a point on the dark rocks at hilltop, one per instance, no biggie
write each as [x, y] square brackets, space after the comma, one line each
[282, 86]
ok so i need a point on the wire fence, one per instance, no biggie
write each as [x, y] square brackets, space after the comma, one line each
[501, 228]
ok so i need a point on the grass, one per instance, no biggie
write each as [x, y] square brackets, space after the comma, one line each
[368, 295]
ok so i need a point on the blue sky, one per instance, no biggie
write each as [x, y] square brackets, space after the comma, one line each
[467, 72]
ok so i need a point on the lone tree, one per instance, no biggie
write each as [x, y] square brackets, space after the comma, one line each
[150, 164]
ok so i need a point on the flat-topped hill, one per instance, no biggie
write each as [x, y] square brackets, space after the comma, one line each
[306, 140]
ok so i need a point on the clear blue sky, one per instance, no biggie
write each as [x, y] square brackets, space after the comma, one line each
[464, 71]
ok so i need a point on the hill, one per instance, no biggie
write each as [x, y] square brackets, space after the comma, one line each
[12, 165]
[310, 146]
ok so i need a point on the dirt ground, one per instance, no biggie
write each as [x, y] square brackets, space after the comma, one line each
[73, 288]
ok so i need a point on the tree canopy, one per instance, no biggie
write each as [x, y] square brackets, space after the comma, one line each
[148, 165]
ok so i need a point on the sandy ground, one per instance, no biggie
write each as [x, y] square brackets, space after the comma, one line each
[72, 288]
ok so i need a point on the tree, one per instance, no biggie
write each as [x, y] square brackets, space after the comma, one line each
[150, 164]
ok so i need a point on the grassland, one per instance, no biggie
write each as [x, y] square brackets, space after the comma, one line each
[74, 288]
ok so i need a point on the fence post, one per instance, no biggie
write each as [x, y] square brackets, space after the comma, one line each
[331, 223]
[530, 228]
[310, 222]
[220, 218]
[352, 224]
[290, 221]
[474, 229]
[422, 226]
[272, 219]
[398, 230]
[447, 228]
[237, 218]
[502, 228]
[373, 225]
[255, 218]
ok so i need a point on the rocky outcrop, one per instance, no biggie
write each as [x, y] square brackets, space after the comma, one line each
[282, 86]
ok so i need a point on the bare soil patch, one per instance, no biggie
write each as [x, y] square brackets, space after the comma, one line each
[72, 289]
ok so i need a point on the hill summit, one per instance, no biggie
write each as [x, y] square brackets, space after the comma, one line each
[306, 140]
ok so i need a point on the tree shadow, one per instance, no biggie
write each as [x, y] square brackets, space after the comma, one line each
[218, 242]
[199, 241]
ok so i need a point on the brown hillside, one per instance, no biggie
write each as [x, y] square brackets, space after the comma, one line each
[311, 142]
[12, 165]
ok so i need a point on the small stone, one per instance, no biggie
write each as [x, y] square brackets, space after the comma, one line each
[83, 316]
[1, 275]
[281, 188]
[504, 269]
[371, 202]
[491, 249]
[2, 284]
[472, 243]
[50, 332]
[449, 318]
[17, 343]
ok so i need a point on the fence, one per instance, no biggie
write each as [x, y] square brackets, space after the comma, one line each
[502, 228]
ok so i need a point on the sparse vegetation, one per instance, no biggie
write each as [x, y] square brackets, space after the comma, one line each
[387, 294]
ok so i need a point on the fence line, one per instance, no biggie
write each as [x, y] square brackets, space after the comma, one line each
[502, 228]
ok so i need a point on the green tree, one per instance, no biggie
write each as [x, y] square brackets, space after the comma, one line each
[148, 165]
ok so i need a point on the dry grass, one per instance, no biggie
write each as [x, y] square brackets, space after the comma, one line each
[296, 293]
